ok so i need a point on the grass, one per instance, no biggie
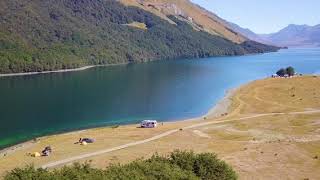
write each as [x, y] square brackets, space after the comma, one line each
[138, 25]
[269, 147]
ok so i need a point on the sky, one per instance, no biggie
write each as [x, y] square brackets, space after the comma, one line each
[265, 16]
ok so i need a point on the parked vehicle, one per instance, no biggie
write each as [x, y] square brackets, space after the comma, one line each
[47, 151]
[87, 140]
[149, 124]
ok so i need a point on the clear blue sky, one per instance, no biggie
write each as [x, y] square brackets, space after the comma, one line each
[265, 16]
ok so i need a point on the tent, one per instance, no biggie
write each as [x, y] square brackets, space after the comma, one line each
[84, 143]
[36, 154]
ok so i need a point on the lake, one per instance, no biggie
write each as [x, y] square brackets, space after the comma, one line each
[44, 104]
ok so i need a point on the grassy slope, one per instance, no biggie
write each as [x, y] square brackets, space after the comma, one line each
[202, 18]
[49, 35]
[269, 147]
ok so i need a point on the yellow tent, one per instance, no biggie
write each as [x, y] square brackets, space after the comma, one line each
[35, 154]
[84, 143]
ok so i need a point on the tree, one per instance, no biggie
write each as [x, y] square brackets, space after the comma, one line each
[290, 71]
[282, 72]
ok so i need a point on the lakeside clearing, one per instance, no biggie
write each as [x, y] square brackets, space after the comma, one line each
[271, 131]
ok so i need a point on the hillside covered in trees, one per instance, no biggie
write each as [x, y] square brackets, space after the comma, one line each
[38, 35]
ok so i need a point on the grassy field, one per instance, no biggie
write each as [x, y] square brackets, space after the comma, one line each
[272, 131]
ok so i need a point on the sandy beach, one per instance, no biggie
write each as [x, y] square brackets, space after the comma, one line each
[262, 135]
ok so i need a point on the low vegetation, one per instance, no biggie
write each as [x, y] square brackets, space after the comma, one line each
[290, 71]
[58, 34]
[179, 165]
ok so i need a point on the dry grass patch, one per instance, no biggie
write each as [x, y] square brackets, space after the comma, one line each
[138, 25]
[278, 95]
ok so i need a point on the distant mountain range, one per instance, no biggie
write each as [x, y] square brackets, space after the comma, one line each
[290, 36]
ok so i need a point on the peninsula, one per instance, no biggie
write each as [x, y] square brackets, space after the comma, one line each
[262, 134]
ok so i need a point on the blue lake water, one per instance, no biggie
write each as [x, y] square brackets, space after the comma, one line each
[37, 105]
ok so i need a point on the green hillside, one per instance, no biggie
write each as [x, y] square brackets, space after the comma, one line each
[39, 35]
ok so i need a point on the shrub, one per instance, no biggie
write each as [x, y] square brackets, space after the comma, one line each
[179, 165]
[208, 166]
[287, 71]
[281, 72]
[150, 169]
[28, 173]
[290, 71]
[183, 159]
[205, 165]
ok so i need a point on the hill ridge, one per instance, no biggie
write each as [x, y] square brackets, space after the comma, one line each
[292, 35]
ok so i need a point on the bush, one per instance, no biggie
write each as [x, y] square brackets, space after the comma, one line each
[281, 72]
[183, 159]
[290, 71]
[179, 165]
[150, 169]
[205, 165]
[208, 166]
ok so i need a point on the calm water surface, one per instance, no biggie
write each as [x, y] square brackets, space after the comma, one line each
[37, 105]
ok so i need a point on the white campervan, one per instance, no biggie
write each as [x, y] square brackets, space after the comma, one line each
[149, 124]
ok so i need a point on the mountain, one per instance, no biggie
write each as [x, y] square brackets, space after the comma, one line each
[295, 36]
[247, 33]
[291, 36]
[39, 35]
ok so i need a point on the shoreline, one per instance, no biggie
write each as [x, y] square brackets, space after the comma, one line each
[221, 108]
[59, 70]
[92, 66]
[47, 72]
[217, 110]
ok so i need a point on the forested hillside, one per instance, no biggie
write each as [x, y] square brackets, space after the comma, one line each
[37, 35]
